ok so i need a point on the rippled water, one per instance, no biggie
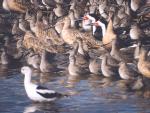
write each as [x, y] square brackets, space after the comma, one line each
[90, 94]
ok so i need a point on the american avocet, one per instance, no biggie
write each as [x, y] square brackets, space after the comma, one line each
[96, 30]
[35, 92]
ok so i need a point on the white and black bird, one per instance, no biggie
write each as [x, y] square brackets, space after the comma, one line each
[49, 4]
[35, 92]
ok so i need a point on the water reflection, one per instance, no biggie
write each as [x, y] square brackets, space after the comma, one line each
[44, 77]
[42, 107]
[72, 80]
[6, 71]
[91, 93]
[97, 81]
[3, 71]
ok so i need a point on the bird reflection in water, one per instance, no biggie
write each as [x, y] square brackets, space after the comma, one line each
[3, 71]
[42, 107]
[97, 81]
[72, 81]
[46, 77]
[99, 84]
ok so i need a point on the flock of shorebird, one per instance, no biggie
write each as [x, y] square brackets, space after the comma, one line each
[102, 37]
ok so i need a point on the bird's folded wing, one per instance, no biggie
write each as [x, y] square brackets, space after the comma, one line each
[46, 93]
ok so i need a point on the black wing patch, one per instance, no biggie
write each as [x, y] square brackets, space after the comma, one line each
[40, 87]
[50, 95]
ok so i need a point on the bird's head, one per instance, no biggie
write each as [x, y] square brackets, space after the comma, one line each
[26, 70]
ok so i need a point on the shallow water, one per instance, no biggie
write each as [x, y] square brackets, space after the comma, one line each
[90, 94]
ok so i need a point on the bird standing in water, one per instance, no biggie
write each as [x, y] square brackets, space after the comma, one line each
[35, 92]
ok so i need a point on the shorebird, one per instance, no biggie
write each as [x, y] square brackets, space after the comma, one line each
[119, 55]
[124, 18]
[23, 24]
[136, 33]
[46, 62]
[73, 68]
[33, 60]
[119, 2]
[102, 7]
[108, 33]
[111, 61]
[59, 25]
[82, 56]
[96, 30]
[95, 66]
[37, 4]
[49, 4]
[59, 1]
[8, 58]
[15, 5]
[15, 29]
[127, 71]
[144, 11]
[32, 20]
[70, 35]
[108, 70]
[137, 50]
[144, 63]
[87, 20]
[59, 11]
[77, 6]
[132, 85]
[135, 4]
[35, 92]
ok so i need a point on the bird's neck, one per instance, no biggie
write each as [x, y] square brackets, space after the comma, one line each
[72, 18]
[103, 26]
[110, 26]
[67, 24]
[114, 48]
[80, 49]
[104, 61]
[94, 27]
[72, 60]
[27, 78]
[43, 58]
[142, 56]
[5, 5]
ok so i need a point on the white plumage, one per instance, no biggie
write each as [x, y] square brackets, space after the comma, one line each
[35, 92]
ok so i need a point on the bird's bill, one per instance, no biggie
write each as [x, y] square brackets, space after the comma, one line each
[85, 18]
[95, 24]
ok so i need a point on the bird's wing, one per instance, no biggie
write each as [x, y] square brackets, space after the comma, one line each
[46, 93]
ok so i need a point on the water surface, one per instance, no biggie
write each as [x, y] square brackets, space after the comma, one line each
[90, 94]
